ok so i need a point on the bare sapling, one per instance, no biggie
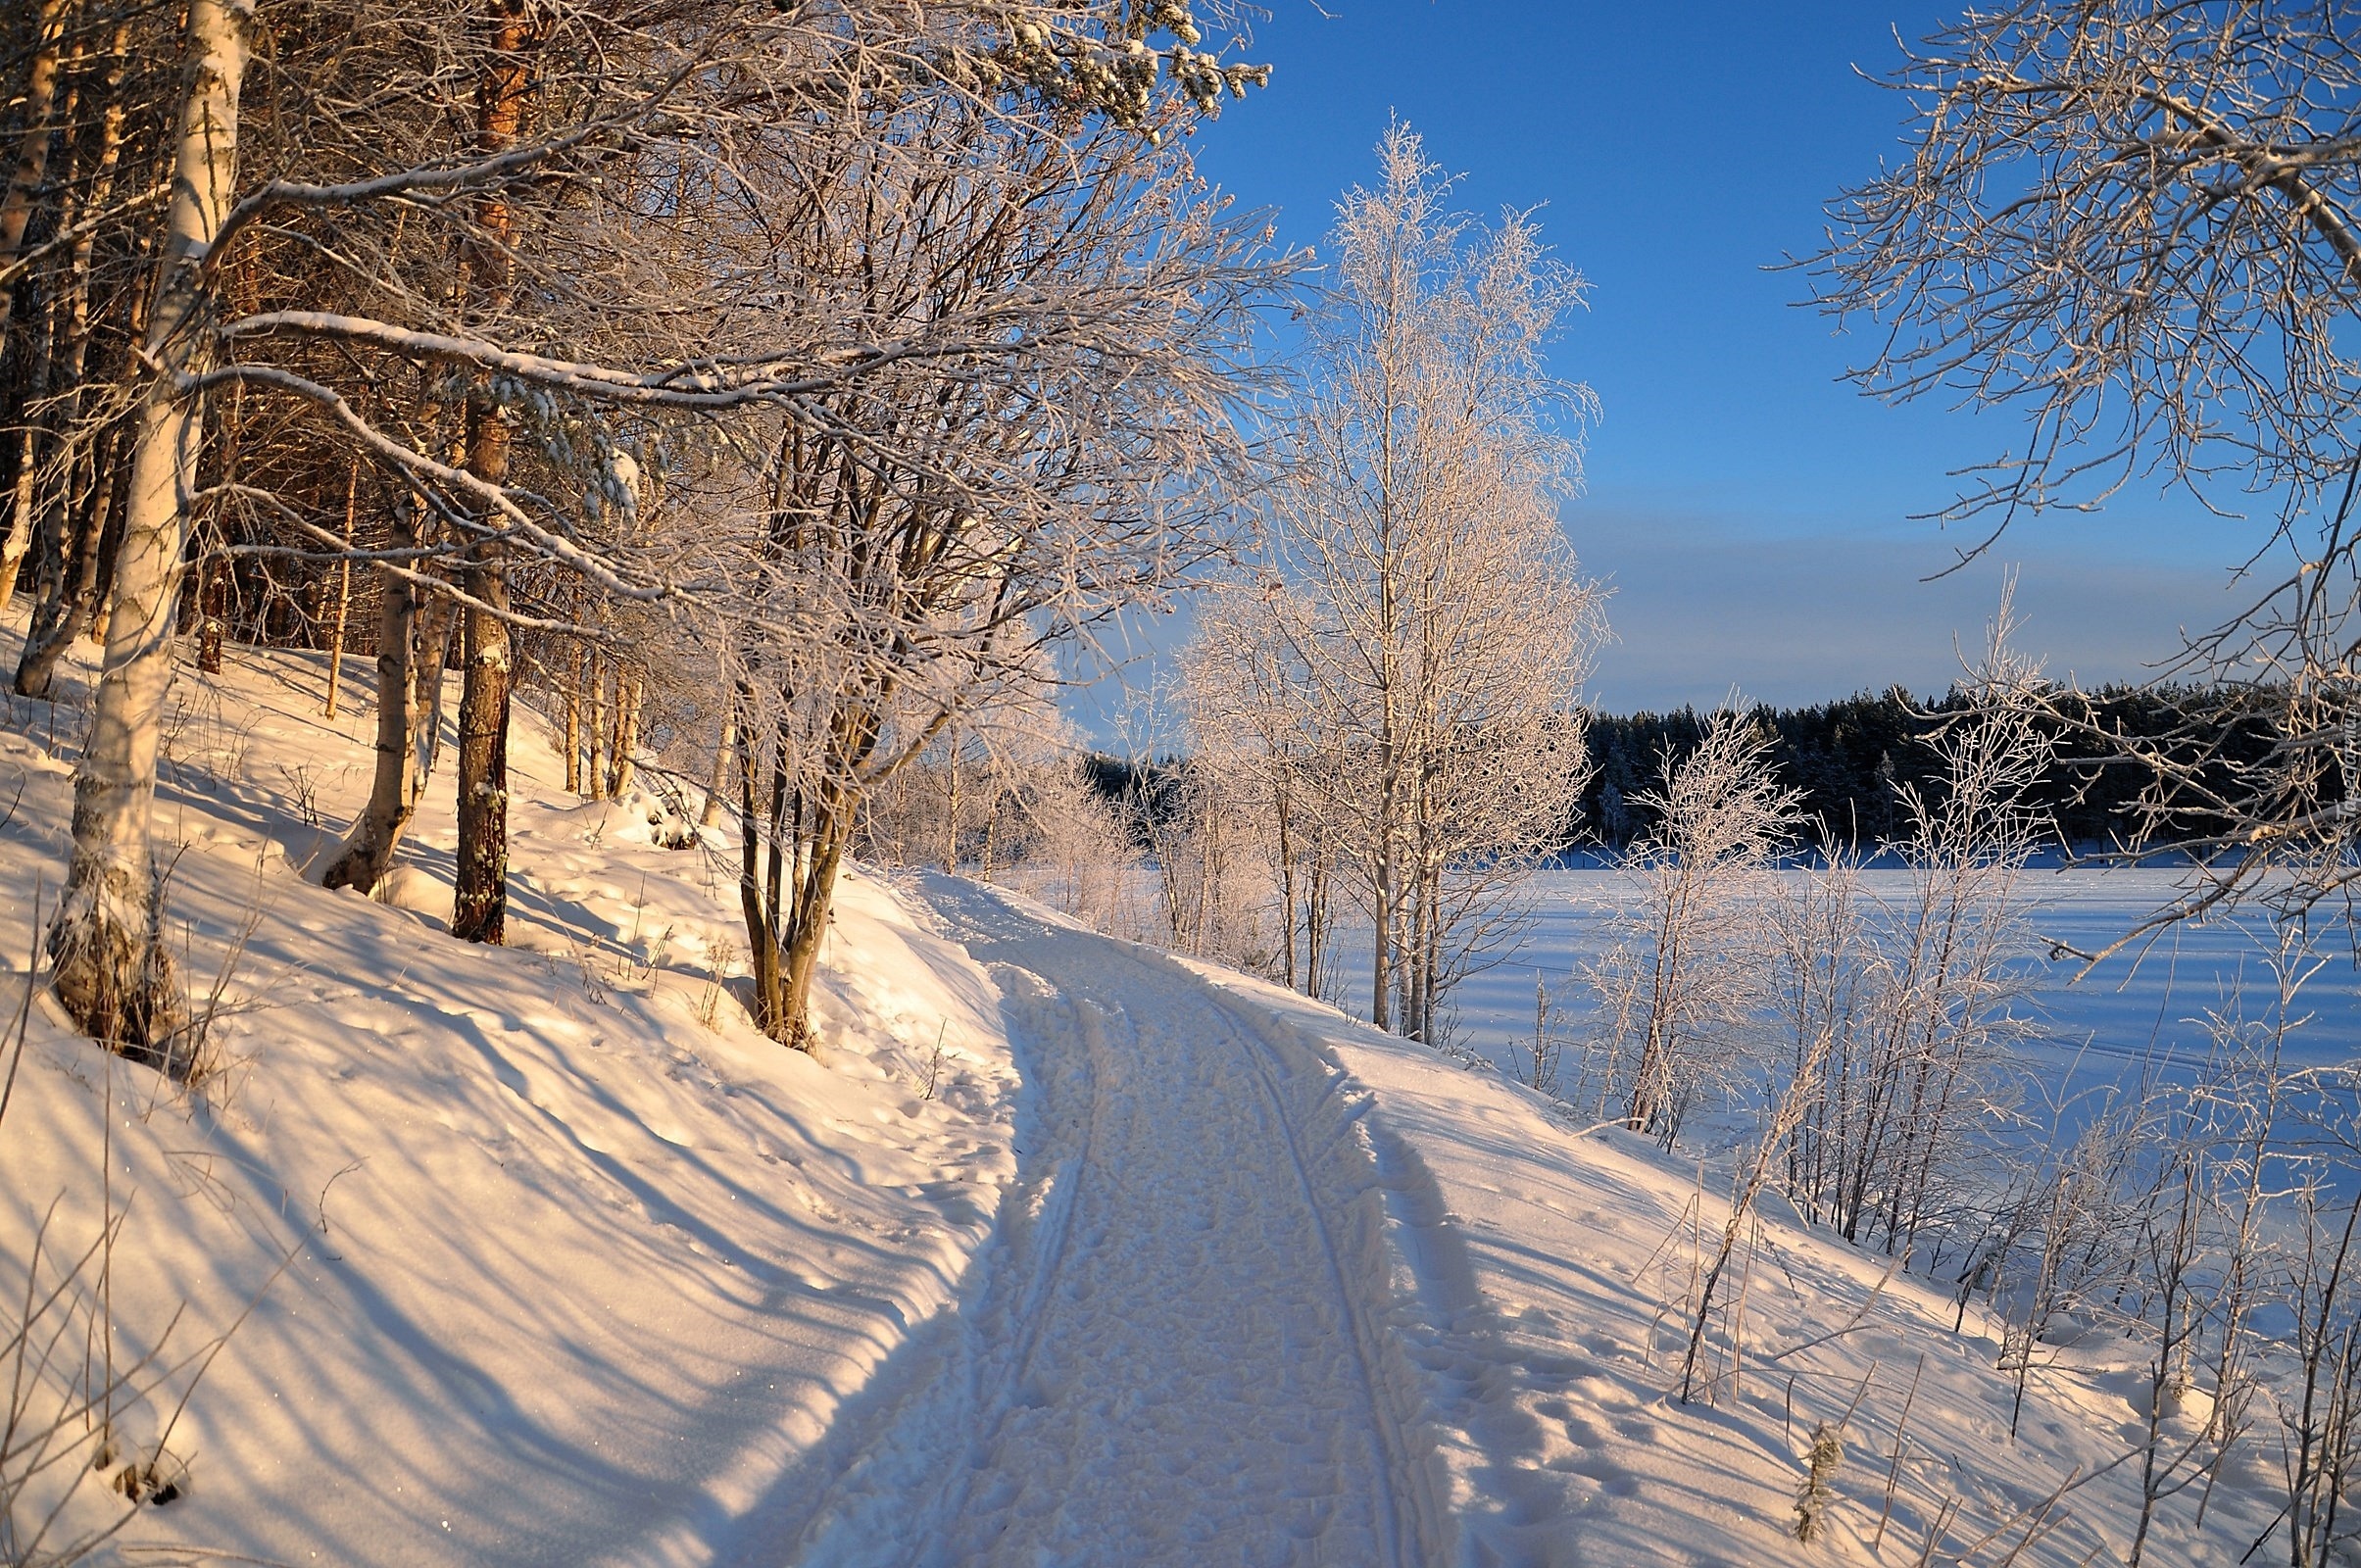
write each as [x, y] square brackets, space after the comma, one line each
[2247, 1093]
[1924, 1021]
[1685, 974]
[2089, 1196]
[2320, 1398]
[1548, 1049]
[1823, 902]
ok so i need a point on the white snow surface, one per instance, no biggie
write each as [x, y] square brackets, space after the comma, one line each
[569, 1277]
[1172, 1267]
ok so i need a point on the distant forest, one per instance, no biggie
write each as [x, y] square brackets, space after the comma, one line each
[1850, 758]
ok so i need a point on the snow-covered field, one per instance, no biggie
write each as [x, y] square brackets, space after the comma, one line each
[1172, 1267]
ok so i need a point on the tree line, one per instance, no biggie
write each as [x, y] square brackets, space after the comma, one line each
[1854, 761]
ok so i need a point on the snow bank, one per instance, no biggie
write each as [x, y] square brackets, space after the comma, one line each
[1538, 1281]
[549, 1256]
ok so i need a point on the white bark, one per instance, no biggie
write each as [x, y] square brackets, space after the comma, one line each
[1402, 679]
[111, 969]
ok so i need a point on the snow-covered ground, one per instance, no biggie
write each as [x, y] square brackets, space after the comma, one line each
[570, 1276]
[1172, 1267]
[1283, 1290]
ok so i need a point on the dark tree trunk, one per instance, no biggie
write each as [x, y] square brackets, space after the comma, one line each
[479, 905]
[401, 707]
[479, 909]
[212, 613]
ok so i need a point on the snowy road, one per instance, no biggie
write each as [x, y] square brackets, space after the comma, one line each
[1175, 1353]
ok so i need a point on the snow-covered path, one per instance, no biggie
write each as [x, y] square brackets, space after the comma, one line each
[1175, 1353]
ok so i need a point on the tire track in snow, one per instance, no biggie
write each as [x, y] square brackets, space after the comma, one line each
[1173, 1358]
[1064, 1194]
[1389, 1448]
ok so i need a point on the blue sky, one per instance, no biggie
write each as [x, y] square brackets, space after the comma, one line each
[1753, 513]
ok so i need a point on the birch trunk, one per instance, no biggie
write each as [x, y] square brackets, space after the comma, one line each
[713, 791]
[394, 786]
[628, 691]
[108, 959]
[33, 149]
[573, 722]
[344, 587]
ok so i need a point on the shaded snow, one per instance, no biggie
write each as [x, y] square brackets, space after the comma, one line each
[569, 1277]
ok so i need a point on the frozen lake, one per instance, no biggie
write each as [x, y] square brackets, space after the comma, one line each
[2134, 1008]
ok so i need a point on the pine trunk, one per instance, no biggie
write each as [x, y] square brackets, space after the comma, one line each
[479, 908]
[479, 905]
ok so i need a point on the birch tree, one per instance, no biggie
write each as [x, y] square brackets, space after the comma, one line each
[425, 274]
[109, 966]
[1417, 582]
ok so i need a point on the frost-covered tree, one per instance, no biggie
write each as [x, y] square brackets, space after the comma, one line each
[1416, 603]
[476, 265]
[2132, 222]
[920, 540]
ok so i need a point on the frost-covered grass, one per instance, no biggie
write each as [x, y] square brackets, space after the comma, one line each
[1537, 1289]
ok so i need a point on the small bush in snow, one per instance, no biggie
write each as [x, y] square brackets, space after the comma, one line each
[1820, 1469]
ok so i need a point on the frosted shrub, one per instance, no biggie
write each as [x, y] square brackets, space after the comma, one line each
[1813, 1498]
[1683, 983]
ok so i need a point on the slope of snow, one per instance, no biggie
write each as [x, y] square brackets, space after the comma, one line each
[1170, 1267]
[1538, 1283]
[568, 1275]
[1279, 1288]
